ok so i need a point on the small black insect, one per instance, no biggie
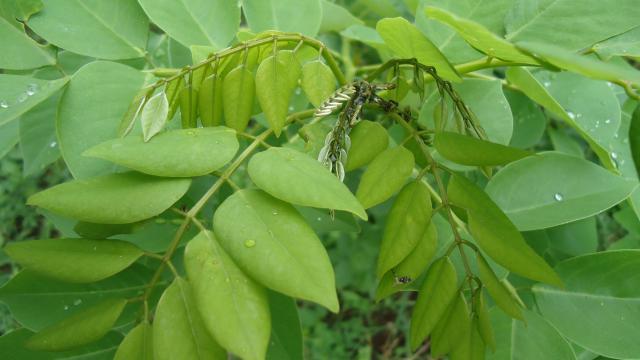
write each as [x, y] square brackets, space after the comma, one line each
[401, 280]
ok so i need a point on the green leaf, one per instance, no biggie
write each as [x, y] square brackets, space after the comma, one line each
[438, 291]
[274, 245]
[20, 52]
[74, 260]
[297, 16]
[529, 120]
[625, 44]
[566, 194]
[188, 100]
[276, 79]
[119, 26]
[317, 82]
[406, 225]
[480, 37]
[385, 175]
[496, 235]
[286, 333]
[174, 153]
[365, 35]
[466, 150]
[81, 328]
[368, 140]
[452, 329]
[210, 102]
[294, 177]
[411, 266]
[336, 17]
[238, 90]
[233, 307]
[19, 94]
[154, 115]
[517, 339]
[138, 197]
[195, 22]
[583, 65]
[90, 112]
[555, 21]
[178, 330]
[9, 137]
[407, 42]
[499, 293]
[484, 322]
[602, 285]
[138, 344]
[38, 142]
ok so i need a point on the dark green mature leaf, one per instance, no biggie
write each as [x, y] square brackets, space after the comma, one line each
[384, 176]
[368, 139]
[500, 294]
[529, 120]
[233, 307]
[603, 285]
[583, 65]
[38, 142]
[137, 196]
[336, 17]
[438, 291]
[554, 21]
[276, 79]
[138, 344]
[318, 82]
[407, 42]
[9, 137]
[178, 330]
[467, 150]
[295, 177]
[483, 321]
[81, 328]
[496, 235]
[299, 16]
[90, 112]
[566, 194]
[154, 115]
[20, 52]
[195, 22]
[286, 333]
[18, 94]
[625, 44]
[480, 37]
[119, 26]
[273, 244]
[406, 225]
[174, 153]
[238, 90]
[411, 266]
[74, 260]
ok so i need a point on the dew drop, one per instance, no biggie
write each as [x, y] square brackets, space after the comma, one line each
[608, 121]
[298, 91]
[53, 144]
[66, 307]
[22, 97]
[249, 243]
[32, 89]
[626, 141]
[3, 104]
[571, 115]
[547, 84]
[291, 108]
[601, 303]
[558, 197]
[77, 302]
[319, 218]
[597, 124]
[614, 155]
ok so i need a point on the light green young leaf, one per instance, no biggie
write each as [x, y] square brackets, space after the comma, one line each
[138, 197]
[480, 37]
[178, 329]
[154, 115]
[19, 51]
[238, 90]
[286, 332]
[412, 266]
[74, 260]
[583, 65]
[499, 293]
[317, 82]
[452, 329]
[81, 328]
[284, 15]
[466, 150]
[90, 112]
[602, 285]
[438, 291]
[566, 194]
[368, 140]
[406, 225]
[119, 26]
[484, 322]
[188, 99]
[174, 153]
[496, 235]
[274, 245]
[233, 307]
[384, 176]
[19, 94]
[138, 344]
[407, 42]
[195, 22]
[294, 177]
[210, 102]
[128, 120]
[336, 17]
[276, 79]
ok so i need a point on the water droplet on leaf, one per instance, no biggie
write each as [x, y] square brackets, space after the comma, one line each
[32, 89]
[77, 302]
[558, 197]
[3, 104]
[249, 243]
